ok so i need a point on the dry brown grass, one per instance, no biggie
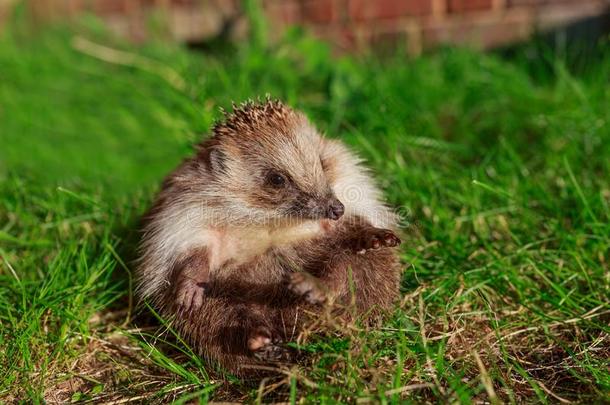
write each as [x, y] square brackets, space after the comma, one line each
[115, 367]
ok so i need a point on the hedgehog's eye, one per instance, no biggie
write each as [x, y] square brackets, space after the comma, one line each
[276, 179]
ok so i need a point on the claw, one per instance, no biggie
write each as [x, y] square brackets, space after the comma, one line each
[190, 294]
[376, 238]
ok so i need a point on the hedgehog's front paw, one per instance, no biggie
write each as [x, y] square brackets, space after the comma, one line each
[267, 348]
[376, 238]
[307, 286]
[189, 294]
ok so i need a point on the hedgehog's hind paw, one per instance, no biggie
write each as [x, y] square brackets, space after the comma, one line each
[273, 353]
[268, 349]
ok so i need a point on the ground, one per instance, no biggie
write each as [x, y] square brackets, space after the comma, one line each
[499, 168]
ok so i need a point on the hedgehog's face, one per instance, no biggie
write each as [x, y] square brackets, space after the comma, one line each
[282, 195]
[280, 177]
[287, 181]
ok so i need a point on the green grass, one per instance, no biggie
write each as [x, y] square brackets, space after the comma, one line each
[503, 183]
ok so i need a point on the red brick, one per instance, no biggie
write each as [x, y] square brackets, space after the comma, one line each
[458, 6]
[73, 7]
[388, 41]
[381, 36]
[319, 11]
[482, 32]
[185, 3]
[387, 9]
[286, 12]
[512, 3]
[5, 11]
[112, 6]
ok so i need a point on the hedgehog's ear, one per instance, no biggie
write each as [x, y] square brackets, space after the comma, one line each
[217, 160]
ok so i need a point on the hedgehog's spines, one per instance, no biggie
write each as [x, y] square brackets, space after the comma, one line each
[249, 112]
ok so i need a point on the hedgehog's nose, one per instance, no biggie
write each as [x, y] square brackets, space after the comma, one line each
[335, 209]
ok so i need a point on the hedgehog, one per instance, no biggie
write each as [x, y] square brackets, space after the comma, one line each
[266, 222]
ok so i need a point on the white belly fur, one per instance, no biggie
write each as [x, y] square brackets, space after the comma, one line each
[240, 245]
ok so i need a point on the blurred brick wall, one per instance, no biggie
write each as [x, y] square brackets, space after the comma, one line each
[418, 24]
[348, 24]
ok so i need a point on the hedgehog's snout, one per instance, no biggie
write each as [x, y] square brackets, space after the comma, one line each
[328, 208]
[335, 209]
